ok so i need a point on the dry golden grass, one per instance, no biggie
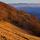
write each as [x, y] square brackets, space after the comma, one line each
[20, 19]
[12, 32]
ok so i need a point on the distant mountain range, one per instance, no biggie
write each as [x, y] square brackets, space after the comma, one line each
[32, 8]
[26, 4]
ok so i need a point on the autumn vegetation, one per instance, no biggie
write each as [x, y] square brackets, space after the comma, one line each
[21, 19]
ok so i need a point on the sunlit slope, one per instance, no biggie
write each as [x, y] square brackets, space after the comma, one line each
[11, 32]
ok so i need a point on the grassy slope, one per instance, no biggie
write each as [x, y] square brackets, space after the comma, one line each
[14, 33]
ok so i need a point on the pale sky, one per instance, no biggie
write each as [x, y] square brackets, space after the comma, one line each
[21, 1]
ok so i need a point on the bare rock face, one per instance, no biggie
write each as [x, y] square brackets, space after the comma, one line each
[20, 19]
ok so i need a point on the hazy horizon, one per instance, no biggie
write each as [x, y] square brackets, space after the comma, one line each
[21, 1]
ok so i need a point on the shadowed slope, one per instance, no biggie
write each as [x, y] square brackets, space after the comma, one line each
[19, 18]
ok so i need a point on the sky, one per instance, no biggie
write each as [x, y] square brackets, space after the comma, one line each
[21, 1]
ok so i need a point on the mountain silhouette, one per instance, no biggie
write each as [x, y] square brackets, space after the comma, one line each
[21, 19]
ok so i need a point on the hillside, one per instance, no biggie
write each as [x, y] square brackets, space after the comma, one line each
[12, 32]
[20, 19]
